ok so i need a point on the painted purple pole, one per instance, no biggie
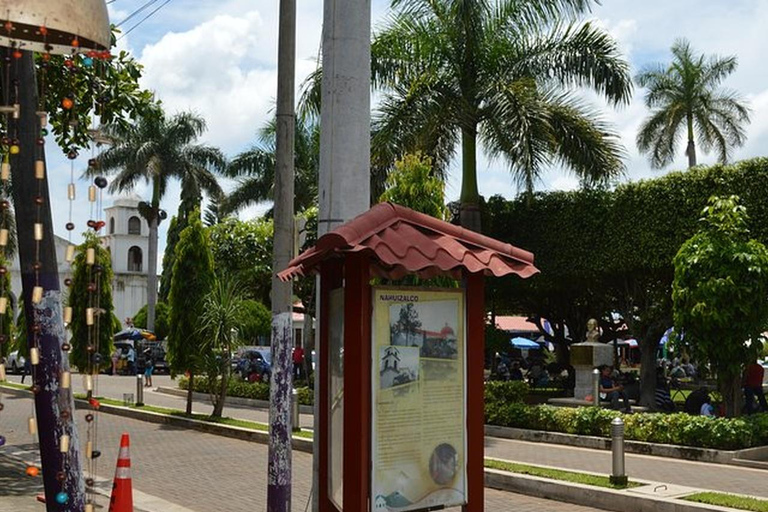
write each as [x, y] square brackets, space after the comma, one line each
[279, 471]
[50, 403]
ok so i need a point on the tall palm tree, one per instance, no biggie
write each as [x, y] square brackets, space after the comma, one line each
[498, 72]
[255, 169]
[685, 95]
[157, 149]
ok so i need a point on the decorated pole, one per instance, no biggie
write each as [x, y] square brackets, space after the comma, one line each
[279, 477]
[54, 406]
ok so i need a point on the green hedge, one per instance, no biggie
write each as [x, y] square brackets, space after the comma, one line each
[243, 389]
[679, 429]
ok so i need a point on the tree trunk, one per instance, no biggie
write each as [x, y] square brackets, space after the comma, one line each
[152, 262]
[218, 407]
[280, 428]
[649, 346]
[469, 211]
[50, 401]
[731, 389]
[691, 149]
[190, 390]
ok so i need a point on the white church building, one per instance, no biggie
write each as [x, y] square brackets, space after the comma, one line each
[126, 237]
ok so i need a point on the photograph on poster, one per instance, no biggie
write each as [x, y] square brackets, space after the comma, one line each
[398, 366]
[430, 326]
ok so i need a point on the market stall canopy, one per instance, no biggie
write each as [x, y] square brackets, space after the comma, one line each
[403, 241]
[54, 25]
[134, 335]
[524, 343]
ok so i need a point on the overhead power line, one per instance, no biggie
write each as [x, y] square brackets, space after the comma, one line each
[145, 18]
[136, 12]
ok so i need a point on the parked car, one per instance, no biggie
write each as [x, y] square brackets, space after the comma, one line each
[15, 362]
[254, 364]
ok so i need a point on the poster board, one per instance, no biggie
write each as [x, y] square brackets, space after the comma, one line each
[418, 395]
[336, 397]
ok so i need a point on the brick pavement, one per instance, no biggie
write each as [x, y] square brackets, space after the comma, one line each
[199, 471]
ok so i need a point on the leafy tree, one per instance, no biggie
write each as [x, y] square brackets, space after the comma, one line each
[222, 314]
[412, 183]
[6, 320]
[408, 321]
[162, 319]
[79, 299]
[684, 97]
[193, 278]
[156, 149]
[243, 249]
[111, 85]
[719, 294]
[255, 169]
[256, 321]
[190, 199]
[500, 72]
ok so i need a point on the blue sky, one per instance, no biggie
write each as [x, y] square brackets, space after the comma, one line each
[218, 58]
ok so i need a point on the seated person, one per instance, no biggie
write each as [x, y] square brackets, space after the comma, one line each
[663, 400]
[611, 391]
[707, 409]
[516, 373]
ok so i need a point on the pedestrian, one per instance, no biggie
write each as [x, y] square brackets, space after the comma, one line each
[610, 390]
[298, 360]
[753, 388]
[27, 370]
[149, 367]
[115, 359]
[707, 409]
[131, 361]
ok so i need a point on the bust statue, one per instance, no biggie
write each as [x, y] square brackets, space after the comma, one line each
[593, 332]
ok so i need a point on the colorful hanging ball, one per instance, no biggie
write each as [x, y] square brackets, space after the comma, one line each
[32, 471]
[66, 347]
[3, 338]
[72, 154]
[75, 42]
[90, 482]
[35, 389]
[15, 150]
[96, 359]
[46, 57]
[2, 440]
[65, 414]
[39, 200]
[6, 141]
[70, 226]
[95, 454]
[36, 328]
[100, 181]
[44, 132]
[17, 54]
[36, 266]
[61, 476]
[68, 281]
[89, 417]
[92, 163]
[91, 223]
[88, 62]
[62, 498]
[40, 141]
[67, 103]
[91, 287]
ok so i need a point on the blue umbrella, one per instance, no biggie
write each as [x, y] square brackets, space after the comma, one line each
[524, 343]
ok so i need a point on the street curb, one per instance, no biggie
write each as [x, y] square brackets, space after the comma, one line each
[245, 434]
[231, 400]
[638, 447]
[590, 496]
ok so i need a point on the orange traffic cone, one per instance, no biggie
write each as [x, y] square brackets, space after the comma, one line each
[122, 491]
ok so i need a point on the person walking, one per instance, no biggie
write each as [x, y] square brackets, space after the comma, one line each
[115, 359]
[149, 367]
[27, 370]
[298, 361]
[753, 388]
[131, 361]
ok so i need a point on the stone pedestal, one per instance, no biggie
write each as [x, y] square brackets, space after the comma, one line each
[584, 358]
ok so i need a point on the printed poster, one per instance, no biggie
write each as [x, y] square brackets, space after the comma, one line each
[418, 393]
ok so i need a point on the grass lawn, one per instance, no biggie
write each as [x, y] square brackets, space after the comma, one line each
[729, 500]
[13, 385]
[556, 474]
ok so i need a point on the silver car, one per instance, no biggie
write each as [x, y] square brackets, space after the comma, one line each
[15, 362]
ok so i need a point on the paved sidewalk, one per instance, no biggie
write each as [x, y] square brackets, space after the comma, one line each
[717, 477]
[201, 472]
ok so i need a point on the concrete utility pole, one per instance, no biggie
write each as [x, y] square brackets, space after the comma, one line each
[279, 478]
[345, 134]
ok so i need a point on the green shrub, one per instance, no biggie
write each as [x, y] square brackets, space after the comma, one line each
[678, 429]
[243, 389]
[509, 392]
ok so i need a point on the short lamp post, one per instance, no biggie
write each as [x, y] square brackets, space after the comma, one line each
[618, 474]
[139, 390]
[596, 387]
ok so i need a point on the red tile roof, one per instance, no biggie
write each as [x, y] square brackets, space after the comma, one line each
[403, 241]
[515, 324]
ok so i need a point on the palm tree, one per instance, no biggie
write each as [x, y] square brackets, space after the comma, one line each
[498, 72]
[255, 169]
[157, 149]
[684, 95]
